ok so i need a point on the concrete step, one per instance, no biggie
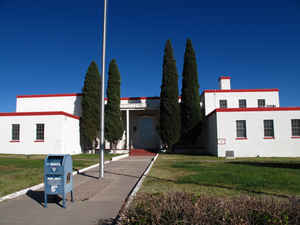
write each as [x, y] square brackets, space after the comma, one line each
[141, 152]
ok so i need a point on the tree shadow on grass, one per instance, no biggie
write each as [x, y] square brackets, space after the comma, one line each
[268, 164]
[223, 187]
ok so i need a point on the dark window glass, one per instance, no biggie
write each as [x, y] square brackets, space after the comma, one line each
[296, 127]
[40, 131]
[15, 132]
[242, 103]
[223, 103]
[268, 128]
[241, 129]
[261, 103]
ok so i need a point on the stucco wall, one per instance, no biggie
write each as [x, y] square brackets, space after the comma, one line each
[283, 145]
[61, 135]
[211, 141]
[211, 99]
[70, 104]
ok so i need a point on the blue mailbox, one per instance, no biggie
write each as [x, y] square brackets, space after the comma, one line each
[58, 176]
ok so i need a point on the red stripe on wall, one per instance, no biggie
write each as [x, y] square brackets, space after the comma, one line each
[242, 90]
[40, 114]
[49, 95]
[258, 109]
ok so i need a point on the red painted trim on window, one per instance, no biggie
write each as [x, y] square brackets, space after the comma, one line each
[258, 109]
[54, 113]
[49, 95]
[224, 78]
[14, 141]
[269, 137]
[240, 138]
[242, 90]
[39, 141]
[295, 137]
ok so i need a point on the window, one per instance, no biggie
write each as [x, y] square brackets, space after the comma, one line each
[261, 103]
[241, 129]
[242, 103]
[15, 132]
[268, 129]
[40, 127]
[223, 103]
[296, 128]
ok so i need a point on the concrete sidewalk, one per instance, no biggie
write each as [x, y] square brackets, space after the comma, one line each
[94, 199]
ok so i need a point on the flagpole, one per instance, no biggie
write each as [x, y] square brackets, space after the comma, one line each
[101, 149]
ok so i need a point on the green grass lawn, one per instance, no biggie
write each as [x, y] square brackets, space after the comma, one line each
[215, 176]
[20, 171]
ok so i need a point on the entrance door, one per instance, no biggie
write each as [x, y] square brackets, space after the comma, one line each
[146, 136]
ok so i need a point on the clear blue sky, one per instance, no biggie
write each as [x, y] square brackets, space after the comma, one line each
[47, 46]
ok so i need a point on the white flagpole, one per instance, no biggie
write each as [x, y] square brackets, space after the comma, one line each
[101, 149]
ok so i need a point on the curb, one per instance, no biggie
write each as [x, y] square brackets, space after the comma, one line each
[136, 188]
[41, 185]
[120, 157]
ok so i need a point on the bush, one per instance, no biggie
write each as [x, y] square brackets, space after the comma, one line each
[185, 208]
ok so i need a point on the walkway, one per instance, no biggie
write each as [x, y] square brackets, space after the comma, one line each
[94, 199]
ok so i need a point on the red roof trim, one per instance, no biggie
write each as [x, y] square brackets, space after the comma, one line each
[54, 113]
[49, 95]
[224, 78]
[243, 90]
[258, 109]
[139, 98]
[80, 94]
[254, 110]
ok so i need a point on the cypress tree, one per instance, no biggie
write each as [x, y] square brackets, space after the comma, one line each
[113, 119]
[190, 99]
[90, 106]
[169, 106]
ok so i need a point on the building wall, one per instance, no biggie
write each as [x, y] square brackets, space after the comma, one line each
[212, 136]
[212, 98]
[61, 135]
[71, 136]
[283, 145]
[70, 103]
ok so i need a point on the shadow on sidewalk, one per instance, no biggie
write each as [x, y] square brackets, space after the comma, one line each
[87, 175]
[121, 174]
[38, 196]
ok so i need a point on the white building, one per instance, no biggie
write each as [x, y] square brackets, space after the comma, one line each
[245, 123]
[250, 123]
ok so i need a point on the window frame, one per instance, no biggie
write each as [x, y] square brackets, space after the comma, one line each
[293, 128]
[40, 132]
[15, 132]
[241, 131]
[242, 100]
[261, 105]
[221, 106]
[269, 129]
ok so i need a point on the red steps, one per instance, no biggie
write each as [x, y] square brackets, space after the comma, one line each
[141, 152]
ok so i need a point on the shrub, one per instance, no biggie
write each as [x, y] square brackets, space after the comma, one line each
[185, 208]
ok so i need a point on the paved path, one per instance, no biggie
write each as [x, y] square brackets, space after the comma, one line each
[94, 199]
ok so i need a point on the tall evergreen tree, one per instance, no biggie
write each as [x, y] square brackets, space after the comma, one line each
[90, 106]
[113, 118]
[190, 100]
[169, 106]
